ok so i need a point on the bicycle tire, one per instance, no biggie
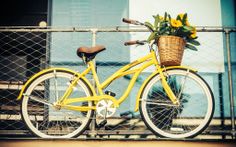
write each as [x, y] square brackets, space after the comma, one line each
[44, 120]
[188, 119]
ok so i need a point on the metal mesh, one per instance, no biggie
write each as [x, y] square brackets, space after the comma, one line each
[22, 55]
[26, 51]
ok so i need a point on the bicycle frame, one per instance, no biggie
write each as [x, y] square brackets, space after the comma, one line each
[146, 61]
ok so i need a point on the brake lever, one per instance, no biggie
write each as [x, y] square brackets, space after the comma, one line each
[142, 42]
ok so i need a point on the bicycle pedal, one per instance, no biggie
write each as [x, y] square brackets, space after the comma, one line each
[126, 113]
[110, 93]
[102, 124]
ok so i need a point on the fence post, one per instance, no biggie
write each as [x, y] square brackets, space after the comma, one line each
[227, 36]
[94, 36]
[93, 122]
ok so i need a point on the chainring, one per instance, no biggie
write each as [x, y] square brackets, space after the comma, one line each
[105, 108]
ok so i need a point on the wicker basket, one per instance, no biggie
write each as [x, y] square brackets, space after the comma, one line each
[171, 50]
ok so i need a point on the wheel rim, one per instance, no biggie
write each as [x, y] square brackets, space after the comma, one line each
[165, 119]
[50, 122]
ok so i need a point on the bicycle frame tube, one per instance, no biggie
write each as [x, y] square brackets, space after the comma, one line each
[73, 84]
[144, 63]
[147, 61]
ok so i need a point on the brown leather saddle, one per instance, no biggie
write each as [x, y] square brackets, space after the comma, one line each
[89, 53]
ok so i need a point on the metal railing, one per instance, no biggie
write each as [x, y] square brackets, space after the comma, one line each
[27, 50]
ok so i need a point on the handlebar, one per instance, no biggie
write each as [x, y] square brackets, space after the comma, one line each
[130, 21]
[135, 22]
[135, 42]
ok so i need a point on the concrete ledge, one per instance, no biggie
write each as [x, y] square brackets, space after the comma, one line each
[113, 143]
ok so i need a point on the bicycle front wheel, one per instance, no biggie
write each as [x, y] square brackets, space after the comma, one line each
[48, 121]
[187, 119]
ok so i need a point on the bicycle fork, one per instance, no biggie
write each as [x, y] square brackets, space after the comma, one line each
[167, 88]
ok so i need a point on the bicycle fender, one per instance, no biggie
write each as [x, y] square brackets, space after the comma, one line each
[151, 76]
[49, 70]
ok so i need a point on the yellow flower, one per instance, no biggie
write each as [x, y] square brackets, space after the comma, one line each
[181, 16]
[161, 18]
[187, 23]
[186, 20]
[194, 33]
[175, 23]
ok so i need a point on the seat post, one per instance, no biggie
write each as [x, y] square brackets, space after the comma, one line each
[97, 84]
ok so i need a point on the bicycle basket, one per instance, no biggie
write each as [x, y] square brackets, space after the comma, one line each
[171, 50]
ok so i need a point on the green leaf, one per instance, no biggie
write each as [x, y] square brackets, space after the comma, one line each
[165, 16]
[157, 20]
[178, 18]
[169, 16]
[152, 36]
[191, 47]
[185, 18]
[188, 28]
[194, 42]
[164, 30]
[183, 32]
[149, 25]
[187, 33]
[164, 24]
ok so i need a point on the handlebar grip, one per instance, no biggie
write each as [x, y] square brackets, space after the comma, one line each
[126, 20]
[130, 42]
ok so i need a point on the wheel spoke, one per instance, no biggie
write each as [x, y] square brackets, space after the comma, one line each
[55, 86]
[47, 120]
[186, 119]
[159, 103]
[182, 85]
[40, 100]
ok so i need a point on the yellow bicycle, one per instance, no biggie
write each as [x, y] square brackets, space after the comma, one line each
[174, 101]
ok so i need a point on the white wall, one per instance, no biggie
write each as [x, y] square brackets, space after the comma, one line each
[209, 57]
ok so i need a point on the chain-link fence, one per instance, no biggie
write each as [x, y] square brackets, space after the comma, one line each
[26, 51]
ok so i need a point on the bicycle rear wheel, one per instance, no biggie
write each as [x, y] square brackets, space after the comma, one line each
[189, 118]
[46, 121]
